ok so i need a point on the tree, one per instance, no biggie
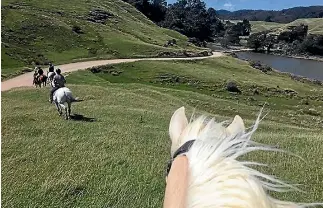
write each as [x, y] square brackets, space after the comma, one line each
[238, 28]
[268, 19]
[231, 35]
[191, 18]
[242, 28]
[300, 32]
[269, 41]
[155, 10]
[294, 33]
[247, 27]
[215, 23]
[313, 44]
[256, 40]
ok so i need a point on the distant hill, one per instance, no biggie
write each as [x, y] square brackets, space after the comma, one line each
[315, 25]
[283, 16]
[38, 31]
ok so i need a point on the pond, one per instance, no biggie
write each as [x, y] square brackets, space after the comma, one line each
[308, 68]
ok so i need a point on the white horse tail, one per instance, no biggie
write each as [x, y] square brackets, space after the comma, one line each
[76, 99]
[70, 97]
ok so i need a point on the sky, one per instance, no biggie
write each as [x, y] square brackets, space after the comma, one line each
[233, 5]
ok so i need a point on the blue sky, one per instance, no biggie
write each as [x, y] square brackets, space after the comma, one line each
[257, 4]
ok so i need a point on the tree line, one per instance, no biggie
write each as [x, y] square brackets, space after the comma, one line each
[193, 19]
[283, 16]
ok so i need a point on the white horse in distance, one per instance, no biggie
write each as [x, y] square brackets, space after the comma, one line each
[216, 178]
[60, 97]
[50, 76]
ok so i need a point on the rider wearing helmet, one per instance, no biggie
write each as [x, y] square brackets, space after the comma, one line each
[51, 67]
[38, 72]
[58, 82]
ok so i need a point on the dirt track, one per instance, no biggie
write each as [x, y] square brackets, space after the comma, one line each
[26, 79]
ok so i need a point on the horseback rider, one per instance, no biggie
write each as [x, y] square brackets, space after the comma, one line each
[51, 67]
[40, 71]
[35, 75]
[35, 72]
[58, 82]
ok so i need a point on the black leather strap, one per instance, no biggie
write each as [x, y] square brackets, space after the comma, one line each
[183, 149]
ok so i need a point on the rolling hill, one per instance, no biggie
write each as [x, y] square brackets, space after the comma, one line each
[315, 25]
[113, 153]
[283, 16]
[37, 32]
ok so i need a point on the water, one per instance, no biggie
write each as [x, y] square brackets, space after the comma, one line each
[307, 68]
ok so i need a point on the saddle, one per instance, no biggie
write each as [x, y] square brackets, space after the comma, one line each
[42, 78]
[57, 88]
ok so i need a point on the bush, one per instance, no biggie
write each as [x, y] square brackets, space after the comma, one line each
[294, 33]
[257, 41]
[312, 44]
[77, 29]
[262, 67]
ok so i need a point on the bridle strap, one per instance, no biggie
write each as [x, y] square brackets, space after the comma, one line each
[183, 149]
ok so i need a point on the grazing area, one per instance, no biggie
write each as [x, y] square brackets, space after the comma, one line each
[113, 151]
[259, 26]
[37, 32]
[315, 25]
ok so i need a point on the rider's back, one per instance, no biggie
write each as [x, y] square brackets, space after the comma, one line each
[40, 71]
[59, 80]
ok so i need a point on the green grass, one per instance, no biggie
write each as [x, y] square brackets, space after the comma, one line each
[259, 26]
[315, 25]
[36, 32]
[119, 159]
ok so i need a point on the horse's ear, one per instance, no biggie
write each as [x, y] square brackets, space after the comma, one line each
[177, 124]
[237, 126]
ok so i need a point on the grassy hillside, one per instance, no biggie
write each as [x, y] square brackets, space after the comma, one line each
[37, 31]
[118, 160]
[315, 25]
[258, 26]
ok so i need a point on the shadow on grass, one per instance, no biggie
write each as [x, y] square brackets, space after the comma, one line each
[78, 117]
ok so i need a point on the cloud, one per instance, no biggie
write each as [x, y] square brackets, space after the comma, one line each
[228, 6]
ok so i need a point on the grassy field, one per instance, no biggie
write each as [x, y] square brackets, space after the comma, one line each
[118, 159]
[315, 25]
[258, 26]
[36, 32]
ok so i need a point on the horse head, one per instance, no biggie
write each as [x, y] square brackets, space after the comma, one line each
[216, 177]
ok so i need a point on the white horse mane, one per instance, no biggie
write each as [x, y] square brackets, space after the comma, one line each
[216, 177]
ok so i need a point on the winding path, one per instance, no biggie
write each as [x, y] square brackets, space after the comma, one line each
[25, 80]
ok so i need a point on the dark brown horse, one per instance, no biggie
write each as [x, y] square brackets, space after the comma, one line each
[38, 81]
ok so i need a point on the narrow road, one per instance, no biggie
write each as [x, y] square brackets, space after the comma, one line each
[25, 80]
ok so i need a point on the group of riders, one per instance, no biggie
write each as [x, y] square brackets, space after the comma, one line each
[56, 78]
